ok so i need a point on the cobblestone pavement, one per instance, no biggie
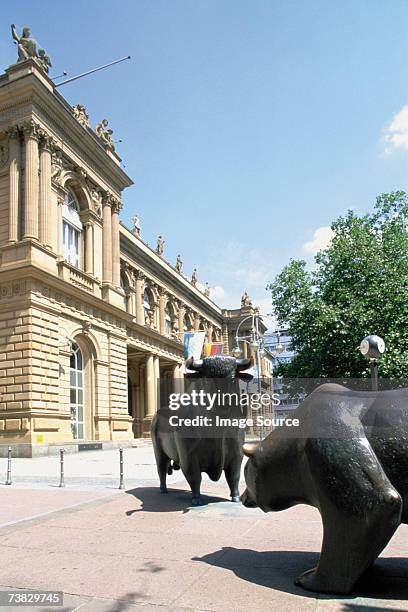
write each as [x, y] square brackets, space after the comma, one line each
[112, 550]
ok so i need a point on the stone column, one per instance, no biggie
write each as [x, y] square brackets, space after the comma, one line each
[107, 241]
[89, 248]
[30, 130]
[139, 282]
[157, 380]
[150, 387]
[14, 182]
[162, 311]
[115, 244]
[45, 228]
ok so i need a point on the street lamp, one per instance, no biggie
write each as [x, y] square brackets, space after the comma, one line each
[256, 342]
[373, 347]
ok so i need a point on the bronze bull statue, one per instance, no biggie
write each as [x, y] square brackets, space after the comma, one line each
[349, 459]
[198, 449]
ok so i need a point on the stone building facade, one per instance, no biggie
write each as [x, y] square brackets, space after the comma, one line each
[90, 316]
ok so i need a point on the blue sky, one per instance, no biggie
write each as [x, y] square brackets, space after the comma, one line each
[246, 125]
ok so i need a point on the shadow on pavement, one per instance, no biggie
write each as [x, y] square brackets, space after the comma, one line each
[176, 500]
[387, 579]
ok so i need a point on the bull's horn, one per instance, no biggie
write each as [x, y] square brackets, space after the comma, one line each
[195, 365]
[250, 449]
[243, 364]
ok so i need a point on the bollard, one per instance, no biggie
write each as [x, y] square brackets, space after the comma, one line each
[121, 484]
[8, 480]
[62, 481]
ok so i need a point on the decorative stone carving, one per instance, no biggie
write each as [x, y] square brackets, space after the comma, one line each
[86, 327]
[13, 132]
[245, 300]
[137, 228]
[96, 196]
[179, 264]
[31, 129]
[4, 155]
[116, 205]
[56, 165]
[105, 134]
[44, 60]
[160, 246]
[194, 277]
[27, 48]
[207, 290]
[46, 141]
[81, 115]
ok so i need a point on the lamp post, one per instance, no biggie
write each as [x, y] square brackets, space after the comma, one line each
[256, 342]
[373, 347]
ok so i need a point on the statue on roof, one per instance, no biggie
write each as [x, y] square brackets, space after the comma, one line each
[207, 290]
[160, 246]
[179, 264]
[81, 115]
[44, 60]
[105, 134]
[137, 228]
[27, 46]
[245, 300]
[194, 277]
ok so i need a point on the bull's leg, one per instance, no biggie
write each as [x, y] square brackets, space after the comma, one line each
[232, 475]
[163, 464]
[193, 476]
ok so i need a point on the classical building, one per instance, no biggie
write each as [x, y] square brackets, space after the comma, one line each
[90, 316]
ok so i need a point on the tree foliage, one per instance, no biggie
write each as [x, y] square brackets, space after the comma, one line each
[359, 286]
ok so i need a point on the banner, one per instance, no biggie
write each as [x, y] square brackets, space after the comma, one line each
[213, 348]
[193, 344]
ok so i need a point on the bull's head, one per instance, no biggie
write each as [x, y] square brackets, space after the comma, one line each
[220, 366]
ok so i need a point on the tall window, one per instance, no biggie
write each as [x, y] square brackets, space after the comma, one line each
[71, 231]
[77, 393]
[123, 286]
[146, 305]
[187, 324]
[167, 322]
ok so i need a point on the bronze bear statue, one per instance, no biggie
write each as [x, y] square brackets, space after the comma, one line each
[349, 459]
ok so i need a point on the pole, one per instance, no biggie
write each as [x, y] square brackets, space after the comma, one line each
[79, 76]
[374, 374]
[62, 481]
[121, 484]
[8, 479]
[258, 359]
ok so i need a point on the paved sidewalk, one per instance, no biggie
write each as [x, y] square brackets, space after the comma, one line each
[111, 550]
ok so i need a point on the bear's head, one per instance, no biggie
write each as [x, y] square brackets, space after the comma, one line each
[271, 476]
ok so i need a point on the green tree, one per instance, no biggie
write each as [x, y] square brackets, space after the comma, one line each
[359, 286]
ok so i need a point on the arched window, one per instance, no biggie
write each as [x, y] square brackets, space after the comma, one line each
[77, 392]
[167, 321]
[71, 231]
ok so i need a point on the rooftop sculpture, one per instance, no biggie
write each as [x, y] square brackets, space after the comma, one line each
[27, 48]
[105, 134]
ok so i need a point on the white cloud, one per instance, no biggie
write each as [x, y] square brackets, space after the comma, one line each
[396, 133]
[321, 240]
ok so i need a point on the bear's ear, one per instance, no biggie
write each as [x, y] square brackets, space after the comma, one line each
[250, 449]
